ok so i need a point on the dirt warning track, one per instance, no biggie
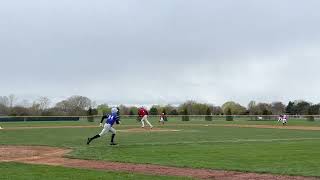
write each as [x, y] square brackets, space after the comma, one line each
[54, 156]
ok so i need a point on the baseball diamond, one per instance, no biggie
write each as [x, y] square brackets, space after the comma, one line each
[194, 149]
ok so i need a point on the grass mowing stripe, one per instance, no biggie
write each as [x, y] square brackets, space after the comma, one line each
[19, 171]
[223, 141]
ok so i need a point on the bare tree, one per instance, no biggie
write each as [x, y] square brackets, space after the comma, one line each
[253, 108]
[74, 105]
[80, 102]
[278, 108]
[25, 103]
[4, 100]
[217, 110]
[3, 110]
[93, 104]
[44, 103]
[63, 108]
[35, 109]
[124, 109]
[19, 111]
[12, 98]
[264, 109]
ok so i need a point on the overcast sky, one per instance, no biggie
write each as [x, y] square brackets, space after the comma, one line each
[161, 51]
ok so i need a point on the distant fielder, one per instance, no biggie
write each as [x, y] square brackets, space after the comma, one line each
[283, 119]
[112, 118]
[143, 114]
[162, 118]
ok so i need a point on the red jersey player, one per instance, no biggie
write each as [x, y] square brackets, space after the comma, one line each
[143, 114]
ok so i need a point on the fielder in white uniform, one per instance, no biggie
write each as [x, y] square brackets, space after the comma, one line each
[162, 116]
[283, 119]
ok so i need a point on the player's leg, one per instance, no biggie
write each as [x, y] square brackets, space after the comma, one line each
[283, 121]
[114, 132]
[161, 121]
[142, 121]
[146, 119]
[104, 130]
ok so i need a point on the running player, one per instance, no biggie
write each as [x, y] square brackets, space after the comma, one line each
[162, 118]
[143, 115]
[112, 118]
[283, 119]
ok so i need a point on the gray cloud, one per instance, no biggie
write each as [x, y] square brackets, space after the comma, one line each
[168, 51]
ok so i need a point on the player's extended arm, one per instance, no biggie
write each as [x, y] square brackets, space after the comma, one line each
[103, 117]
[118, 117]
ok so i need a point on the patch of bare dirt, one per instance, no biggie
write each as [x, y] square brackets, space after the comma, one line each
[54, 156]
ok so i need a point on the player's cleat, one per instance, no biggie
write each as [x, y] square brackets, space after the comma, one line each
[88, 141]
[151, 127]
[1, 127]
[142, 126]
[113, 144]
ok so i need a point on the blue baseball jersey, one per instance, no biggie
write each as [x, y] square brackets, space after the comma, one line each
[111, 118]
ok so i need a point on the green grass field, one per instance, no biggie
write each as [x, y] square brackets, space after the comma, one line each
[17, 171]
[277, 151]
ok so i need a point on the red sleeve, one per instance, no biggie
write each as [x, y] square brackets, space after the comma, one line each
[140, 112]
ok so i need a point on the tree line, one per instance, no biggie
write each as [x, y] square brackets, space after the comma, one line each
[83, 106]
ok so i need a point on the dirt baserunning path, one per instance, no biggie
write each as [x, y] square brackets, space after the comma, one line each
[54, 156]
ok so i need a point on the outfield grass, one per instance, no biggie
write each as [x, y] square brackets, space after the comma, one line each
[280, 151]
[17, 171]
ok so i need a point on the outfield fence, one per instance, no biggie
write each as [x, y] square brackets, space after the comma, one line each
[38, 118]
[176, 117]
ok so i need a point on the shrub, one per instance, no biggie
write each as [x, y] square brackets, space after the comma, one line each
[185, 114]
[174, 112]
[208, 115]
[310, 118]
[153, 111]
[229, 116]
